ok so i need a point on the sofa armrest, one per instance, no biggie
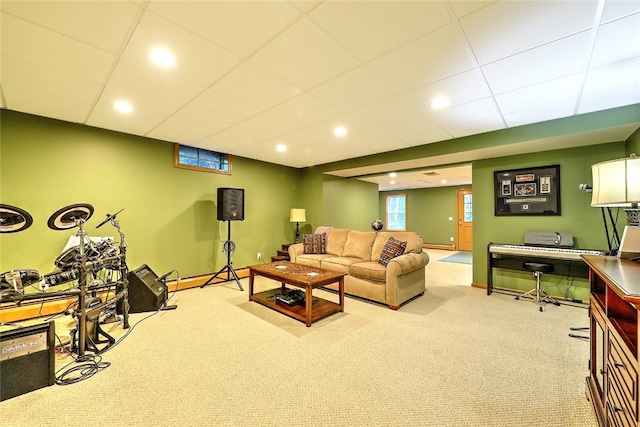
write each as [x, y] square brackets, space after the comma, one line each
[407, 263]
[295, 250]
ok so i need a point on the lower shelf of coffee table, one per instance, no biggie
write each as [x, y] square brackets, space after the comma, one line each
[320, 308]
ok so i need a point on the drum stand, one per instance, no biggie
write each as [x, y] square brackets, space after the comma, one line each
[90, 308]
[124, 272]
[228, 247]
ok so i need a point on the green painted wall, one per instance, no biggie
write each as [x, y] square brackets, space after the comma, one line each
[169, 216]
[633, 144]
[428, 212]
[577, 217]
[349, 203]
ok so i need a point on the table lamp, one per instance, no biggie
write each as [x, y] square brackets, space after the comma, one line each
[616, 183]
[297, 216]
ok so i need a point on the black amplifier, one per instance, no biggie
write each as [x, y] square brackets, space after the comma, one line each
[27, 359]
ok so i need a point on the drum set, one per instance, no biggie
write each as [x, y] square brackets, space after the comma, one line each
[94, 269]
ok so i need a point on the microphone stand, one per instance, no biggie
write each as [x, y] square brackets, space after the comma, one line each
[163, 279]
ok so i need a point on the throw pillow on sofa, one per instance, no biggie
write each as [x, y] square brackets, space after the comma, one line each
[392, 249]
[315, 243]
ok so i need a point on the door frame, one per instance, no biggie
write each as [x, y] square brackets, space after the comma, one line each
[458, 218]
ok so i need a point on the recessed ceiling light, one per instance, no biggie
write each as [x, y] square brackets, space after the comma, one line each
[443, 181]
[123, 106]
[162, 57]
[393, 175]
[440, 102]
[340, 131]
[392, 182]
[281, 148]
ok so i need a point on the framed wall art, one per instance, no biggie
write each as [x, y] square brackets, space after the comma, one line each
[531, 191]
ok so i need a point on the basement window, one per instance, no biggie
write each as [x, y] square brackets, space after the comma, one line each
[199, 159]
[396, 212]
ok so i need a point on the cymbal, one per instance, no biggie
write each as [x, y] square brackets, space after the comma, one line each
[13, 219]
[108, 218]
[66, 217]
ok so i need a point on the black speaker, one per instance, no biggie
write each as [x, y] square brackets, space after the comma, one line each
[230, 204]
[27, 360]
[145, 292]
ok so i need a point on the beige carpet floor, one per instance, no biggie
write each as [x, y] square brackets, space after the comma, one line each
[454, 357]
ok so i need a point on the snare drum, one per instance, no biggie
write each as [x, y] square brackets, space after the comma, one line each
[72, 255]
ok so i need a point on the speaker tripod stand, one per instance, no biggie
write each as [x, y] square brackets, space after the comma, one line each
[228, 247]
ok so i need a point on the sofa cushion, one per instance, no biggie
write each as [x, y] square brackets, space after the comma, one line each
[315, 243]
[336, 240]
[339, 264]
[313, 260]
[369, 270]
[359, 244]
[392, 249]
[323, 229]
[414, 242]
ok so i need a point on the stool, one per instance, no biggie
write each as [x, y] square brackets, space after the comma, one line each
[538, 269]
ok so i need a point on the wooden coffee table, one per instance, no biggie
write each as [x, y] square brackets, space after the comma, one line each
[301, 276]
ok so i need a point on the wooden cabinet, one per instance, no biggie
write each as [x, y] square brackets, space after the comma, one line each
[613, 362]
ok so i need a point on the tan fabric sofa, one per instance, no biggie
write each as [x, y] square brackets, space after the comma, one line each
[357, 253]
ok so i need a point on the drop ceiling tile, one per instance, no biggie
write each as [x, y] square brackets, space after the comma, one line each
[387, 111]
[226, 144]
[102, 24]
[459, 130]
[47, 81]
[463, 8]
[304, 56]
[147, 113]
[44, 103]
[222, 107]
[506, 28]
[473, 117]
[375, 141]
[306, 5]
[241, 27]
[353, 90]
[335, 150]
[608, 48]
[551, 61]
[541, 113]
[187, 126]
[260, 150]
[623, 74]
[413, 65]
[459, 89]
[614, 9]
[197, 60]
[539, 95]
[301, 137]
[256, 87]
[305, 109]
[371, 29]
[267, 125]
[152, 83]
[417, 139]
[351, 123]
[31, 43]
[253, 130]
[387, 146]
[611, 86]
[609, 99]
[415, 131]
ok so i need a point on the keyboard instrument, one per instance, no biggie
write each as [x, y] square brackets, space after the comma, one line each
[539, 251]
[567, 261]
